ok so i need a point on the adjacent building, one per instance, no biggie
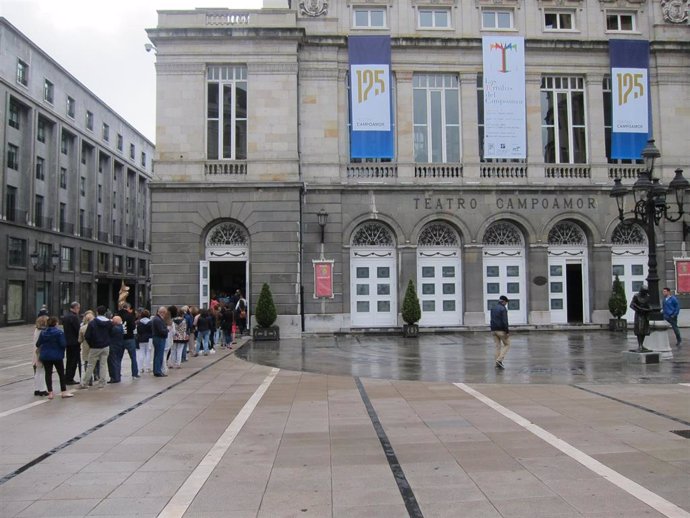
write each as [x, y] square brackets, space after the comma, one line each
[74, 200]
[265, 172]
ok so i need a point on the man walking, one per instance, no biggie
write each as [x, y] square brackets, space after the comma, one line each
[499, 330]
[70, 326]
[671, 308]
[126, 313]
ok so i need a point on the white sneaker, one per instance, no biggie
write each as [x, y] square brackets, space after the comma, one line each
[212, 351]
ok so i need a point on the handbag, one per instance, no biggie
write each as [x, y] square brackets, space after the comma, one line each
[243, 313]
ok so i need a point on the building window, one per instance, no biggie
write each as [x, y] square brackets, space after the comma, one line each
[13, 119]
[84, 154]
[132, 151]
[143, 159]
[117, 264]
[66, 295]
[120, 142]
[559, 20]
[71, 107]
[226, 129]
[64, 143]
[63, 178]
[12, 157]
[131, 265]
[100, 193]
[434, 18]
[63, 216]
[40, 168]
[106, 132]
[66, 259]
[497, 19]
[16, 252]
[563, 126]
[369, 17]
[86, 261]
[22, 73]
[48, 91]
[82, 186]
[11, 203]
[89, 120]
[41, 130]
[436, 118]
[38, 212]
[620, 22]
[103, 262]
[142, 267]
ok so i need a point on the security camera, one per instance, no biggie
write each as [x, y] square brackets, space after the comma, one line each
[149, 47]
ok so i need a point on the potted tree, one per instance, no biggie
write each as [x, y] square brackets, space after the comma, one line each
[618, 305]
[411, 312]
[265, 315]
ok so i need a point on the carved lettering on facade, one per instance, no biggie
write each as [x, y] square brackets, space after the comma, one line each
[515, 203]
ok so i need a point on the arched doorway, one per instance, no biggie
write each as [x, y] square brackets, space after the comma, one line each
[504, 270]
[629, 259]
[225, 267]
[373, 277]
[568, 274]
[439, 275]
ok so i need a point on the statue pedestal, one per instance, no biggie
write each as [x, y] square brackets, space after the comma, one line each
[635, 357]
[658, 340]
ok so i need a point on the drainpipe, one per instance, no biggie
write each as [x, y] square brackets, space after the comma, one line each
[302, 196]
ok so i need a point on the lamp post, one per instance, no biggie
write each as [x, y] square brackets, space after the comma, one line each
[322, 218]
[44, 262]
[650, 208]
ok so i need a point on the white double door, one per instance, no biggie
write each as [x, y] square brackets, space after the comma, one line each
[439, 288]
[504, 274]
[631, 266]
[373, 280]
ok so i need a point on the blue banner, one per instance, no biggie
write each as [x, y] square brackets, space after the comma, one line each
[371, 125]
[630, 99]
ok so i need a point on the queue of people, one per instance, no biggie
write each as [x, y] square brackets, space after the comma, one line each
[94, 344]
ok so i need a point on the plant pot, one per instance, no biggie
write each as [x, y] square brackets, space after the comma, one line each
[263, 334]
[618, 324]
[410, 330]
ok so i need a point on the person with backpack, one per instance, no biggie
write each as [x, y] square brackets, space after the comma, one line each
[203, 329]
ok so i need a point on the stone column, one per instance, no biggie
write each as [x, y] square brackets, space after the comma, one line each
[538, 283]
[535, 155]
[470, 135]
[404, 125]
[595, 128]
[474, 285]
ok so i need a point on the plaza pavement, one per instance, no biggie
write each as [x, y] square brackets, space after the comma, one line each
[358, 426]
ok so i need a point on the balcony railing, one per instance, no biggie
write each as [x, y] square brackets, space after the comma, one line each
[372, 170]
[117, 240]
[44, 222]
[66, 228]
[86, 232]
[223, 168]
[625, 171]
[567, 171]
[17, 216]
[141, 245]
[103, 237]
[508, 170]
[130, 243]
[438, 171]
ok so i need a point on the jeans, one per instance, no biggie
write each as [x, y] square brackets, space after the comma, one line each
[60, 368]
[158, 354]
[117, 351]
[674, 325]
[131, 348]
[202, 337]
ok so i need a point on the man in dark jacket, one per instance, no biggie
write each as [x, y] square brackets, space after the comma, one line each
[499, 330]
[70, 326]
[126, 313]
[98, 337]
[160, 335]
[117, 350]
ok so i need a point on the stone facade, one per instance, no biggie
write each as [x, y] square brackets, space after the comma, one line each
[565, 243]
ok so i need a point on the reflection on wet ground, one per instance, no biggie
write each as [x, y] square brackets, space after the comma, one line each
[535, 357]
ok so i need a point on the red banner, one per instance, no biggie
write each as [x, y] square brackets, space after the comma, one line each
[323, 279]
[682, 276]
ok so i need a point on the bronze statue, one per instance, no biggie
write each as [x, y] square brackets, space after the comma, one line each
[642, 308]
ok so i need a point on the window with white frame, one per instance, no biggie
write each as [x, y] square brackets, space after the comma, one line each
[437, 18]
[436, 118]
[22, 72]
[40, 168]
[563, 120]
[226, 114]
[63, 178]
[559, 20]
[105, 133]
[120, 142]
[497, 19]
[620, 21]
[71, 107]
[48, 91]
[41, 129]
[369, 17]
[12, 157]
[89, 120]
[13, 119]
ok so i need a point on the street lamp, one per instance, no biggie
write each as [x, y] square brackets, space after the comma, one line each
[649, 209]
[44, 262]
[322, 218]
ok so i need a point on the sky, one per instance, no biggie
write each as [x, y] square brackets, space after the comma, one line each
[101, 43]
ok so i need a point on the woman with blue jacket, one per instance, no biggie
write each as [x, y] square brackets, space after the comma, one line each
[51, 351]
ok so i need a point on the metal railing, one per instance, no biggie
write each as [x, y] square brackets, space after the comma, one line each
[103, 237]
[86, 232]
[66, 228]
[117, 240]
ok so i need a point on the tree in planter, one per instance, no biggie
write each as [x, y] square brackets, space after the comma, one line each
[618, 304]
[265, 313]
[411, 312]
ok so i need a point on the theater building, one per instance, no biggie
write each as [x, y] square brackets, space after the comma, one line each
[336, 150]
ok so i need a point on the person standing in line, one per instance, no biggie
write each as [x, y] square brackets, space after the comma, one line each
[144, 337]
[126, 313]
[52, 346]
[500, 330]
[117, 350]
[70, 326]
[40, 388]
[180, 339]
[98, 337]
[88, 317]
[203, 328]
[671, 309]
[160, 335]
[241, 313]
